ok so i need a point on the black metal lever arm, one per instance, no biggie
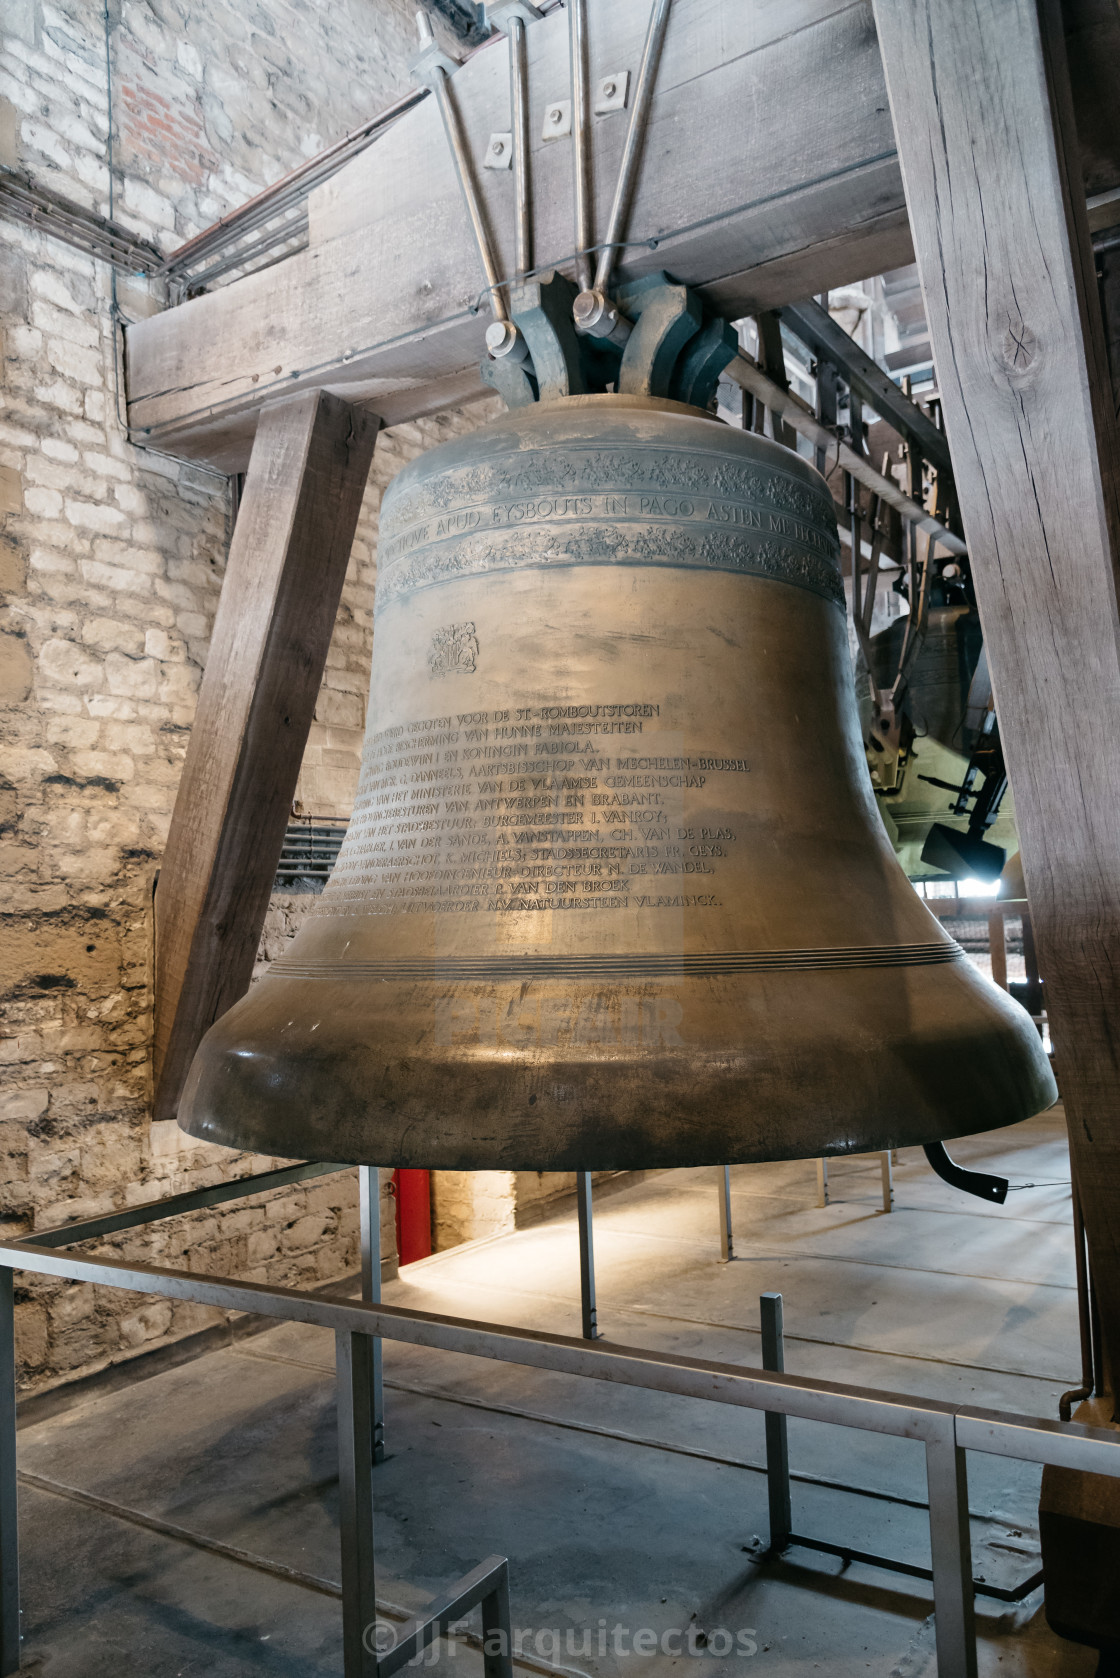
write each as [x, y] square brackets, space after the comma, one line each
[959, 1177]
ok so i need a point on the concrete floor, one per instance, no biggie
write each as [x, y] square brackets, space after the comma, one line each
[616, 1507]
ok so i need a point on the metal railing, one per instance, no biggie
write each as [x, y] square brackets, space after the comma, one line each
[946, 1431]
[310, 850]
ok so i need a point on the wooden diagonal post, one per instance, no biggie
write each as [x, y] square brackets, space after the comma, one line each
[984, 125]
[287, 562]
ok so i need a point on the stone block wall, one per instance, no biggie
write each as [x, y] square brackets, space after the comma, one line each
[111, 561]
[472, 1205]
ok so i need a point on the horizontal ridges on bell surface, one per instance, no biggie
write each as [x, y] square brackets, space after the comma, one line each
[642, 965]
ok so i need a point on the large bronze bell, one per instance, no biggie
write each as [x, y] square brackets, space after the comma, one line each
[615, 892]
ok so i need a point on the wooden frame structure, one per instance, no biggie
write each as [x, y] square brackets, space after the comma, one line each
[1028, 407]
[801, 194]
[816, 189]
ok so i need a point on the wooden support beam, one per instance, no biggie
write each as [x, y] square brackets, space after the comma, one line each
[1108, 276]
[984, 124]
[287, 561]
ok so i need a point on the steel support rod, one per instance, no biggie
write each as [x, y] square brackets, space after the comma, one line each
[369, 1208]
[9, 1527]
[354, 1368]
[777, 1441]
[632, 150]
[797, 413]
[723, 1189]
[581, 138]
[435, 74]
[586, 1257]
[826, 409]
[519, 110]
[954, 1616]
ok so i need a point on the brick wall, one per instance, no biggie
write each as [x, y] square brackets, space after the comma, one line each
[111, 561]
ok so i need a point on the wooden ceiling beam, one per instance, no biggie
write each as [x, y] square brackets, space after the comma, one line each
[769, 173]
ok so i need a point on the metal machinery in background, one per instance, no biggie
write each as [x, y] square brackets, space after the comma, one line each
[614, 894]
[925, 694]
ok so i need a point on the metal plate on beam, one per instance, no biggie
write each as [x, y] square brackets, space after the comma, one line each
[611, 93]
[557, 120]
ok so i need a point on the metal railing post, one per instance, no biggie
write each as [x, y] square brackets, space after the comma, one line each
[497, 1631]
[586, 1257]
[354, 1367]
[369, 1205]
[723, 1188]
[886, 1167]
[777, 1441]
[9, 1527]
[951, 1549]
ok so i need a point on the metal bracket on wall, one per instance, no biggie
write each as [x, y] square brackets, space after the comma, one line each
[557, 124]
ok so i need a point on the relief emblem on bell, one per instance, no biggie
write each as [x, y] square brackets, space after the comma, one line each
[454, 650]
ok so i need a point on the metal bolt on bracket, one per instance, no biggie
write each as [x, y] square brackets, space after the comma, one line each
[504, 340]
[596, 316]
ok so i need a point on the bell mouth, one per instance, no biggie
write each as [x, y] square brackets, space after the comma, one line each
[560, 1076]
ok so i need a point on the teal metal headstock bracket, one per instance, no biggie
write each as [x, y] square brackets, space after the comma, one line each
[663, 343]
